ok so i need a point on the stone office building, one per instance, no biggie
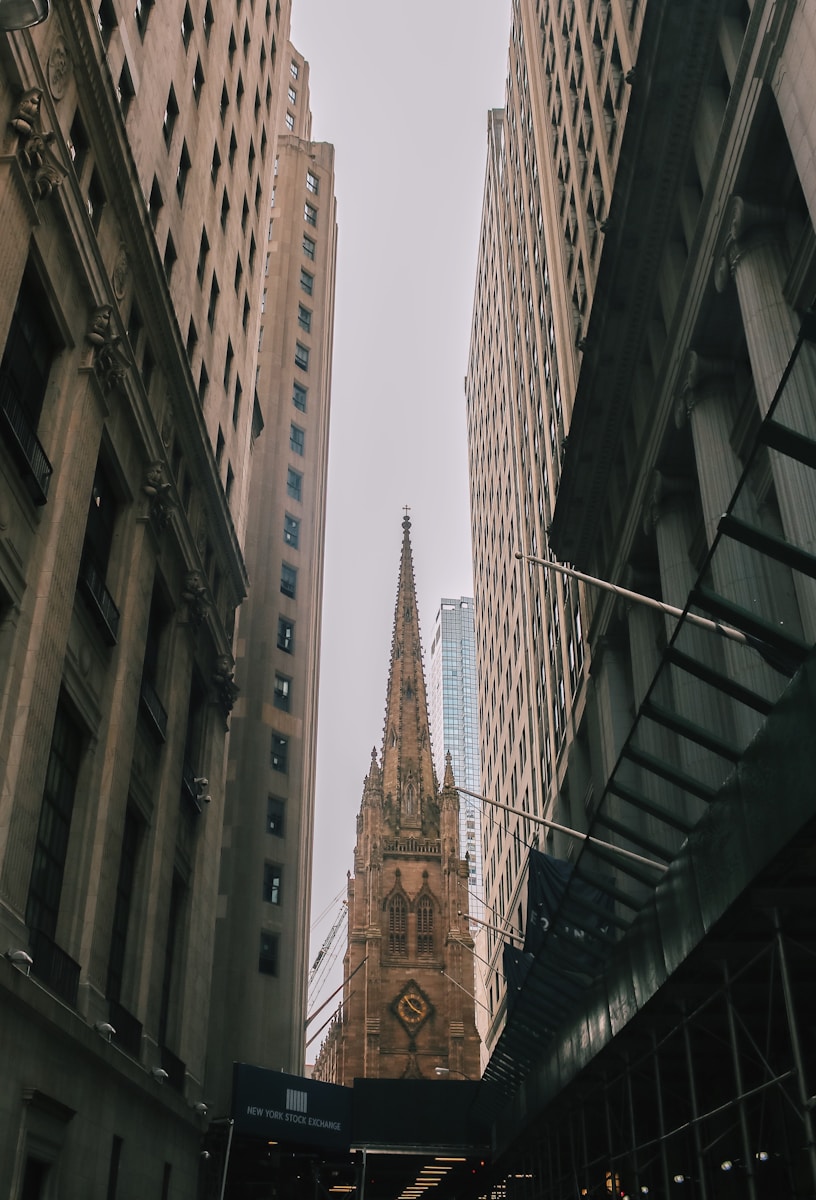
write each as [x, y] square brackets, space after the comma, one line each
[136, 177]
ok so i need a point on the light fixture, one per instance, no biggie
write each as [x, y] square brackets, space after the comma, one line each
[679, 1179]
[159, 1074]
[20, 958]
[104, 1029]
[200, 1108]
[726, 1164]
[761, 1156]
[22, 14]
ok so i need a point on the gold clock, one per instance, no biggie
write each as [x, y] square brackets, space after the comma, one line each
[412, 1007]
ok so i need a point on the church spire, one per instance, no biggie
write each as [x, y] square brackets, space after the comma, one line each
[409, 784]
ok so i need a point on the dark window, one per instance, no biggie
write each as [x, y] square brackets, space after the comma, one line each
[170, 256]
[113, 1167]
[213, 304]
[186, 26]
[280, 753]
[288, 583]
[78, 144]
[154, 202]
[272, 883]
[297, 439]
[198, 80]
[125, 91]
[142, 13]
[304, 318]
[51, 848]
[294, 484]
[291, 531]
[306, 281]
[308, 247]
[171, 112]
[286, 635]
[236, 404]
[208, 20]
[203, 251]
[106, 19]
[312, 183]
[171, 955]
[283, 691]
[309, 214]
[95, 200]
[183, 171]
[398, 927]
[301, 356]
[275, 808]
[299, 393]
[216, 163]
[268, 954]
[28, 355]
[425, 916]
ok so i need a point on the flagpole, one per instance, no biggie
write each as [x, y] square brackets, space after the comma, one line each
[573, 833]
[669, 610]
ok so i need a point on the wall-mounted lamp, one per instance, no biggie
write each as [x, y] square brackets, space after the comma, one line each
[20, 958]
[200, 1108]
[22, 14]
[159, 1074]
[104, 1029]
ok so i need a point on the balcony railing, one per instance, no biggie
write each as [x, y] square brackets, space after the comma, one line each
[33, 464]
[99, 600]
[175, 1069]
[128, 1031]
[53, 967]
[153, 709]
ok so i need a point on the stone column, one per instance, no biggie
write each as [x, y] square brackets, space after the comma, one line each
[753, 255]
[668, 516]
[705, 400]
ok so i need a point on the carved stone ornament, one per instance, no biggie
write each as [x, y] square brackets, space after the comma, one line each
[121, 273]
[159, 492]
[109, 361]
[38, 159]
[223, 678]
[59, 68]
[195, 593]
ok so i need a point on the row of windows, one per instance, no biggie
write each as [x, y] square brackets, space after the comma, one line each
[397, 925]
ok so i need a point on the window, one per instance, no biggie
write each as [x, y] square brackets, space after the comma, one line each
[397, 927]
[272, 883]
[291, 531]
[216, 163]
[122, 904]
[182, 172]
[290, 122]
[198, 80]
[293, 69]
[297, 439]
[304, 318]
[288, 584]
[125, 91]
[154, 203]
[77, 143]
[203, 251]
[51, 847]
[24, 371]
[308, 247]
[236, 404]
[225, 207]
[268, 954]
[279, 757]
[186, 26]
[224, 103]
[171, 112]
[228, 360]
[299, 394]
[294, 484]
[292, 96]
[213, 304]
[286, 635]
[309, 214]
[425, 915]
[306, 281]
[312, 183]
[283, 691]
[95, 200]
[302, 356]
[229, 483]
[219, 448]
[208, 20]
[170, 256]
[106, 20]
[274, 815]
[142, 12]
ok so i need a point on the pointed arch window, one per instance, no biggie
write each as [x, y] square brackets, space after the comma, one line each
[398, 927]
[425, 920]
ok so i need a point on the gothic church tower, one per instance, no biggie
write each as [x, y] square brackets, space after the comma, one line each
[408, 971]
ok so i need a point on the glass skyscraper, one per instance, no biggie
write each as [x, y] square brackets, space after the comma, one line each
[454, 713]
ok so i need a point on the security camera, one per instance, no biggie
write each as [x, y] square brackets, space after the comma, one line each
[159, 1074]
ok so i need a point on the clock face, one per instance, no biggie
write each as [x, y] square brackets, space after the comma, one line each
[412, 1007]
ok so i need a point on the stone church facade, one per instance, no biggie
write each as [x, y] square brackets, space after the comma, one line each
[408, 1009]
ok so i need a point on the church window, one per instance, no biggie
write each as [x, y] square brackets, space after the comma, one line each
[398, 927]
[425, 917]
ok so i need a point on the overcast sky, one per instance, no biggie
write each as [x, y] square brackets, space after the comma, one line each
[403, 92]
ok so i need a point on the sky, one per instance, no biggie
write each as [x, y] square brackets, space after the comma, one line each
[402, 92]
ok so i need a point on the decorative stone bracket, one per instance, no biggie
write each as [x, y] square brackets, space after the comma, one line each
[223, 678]
[159, 492]
[42, 168]
[109, 360]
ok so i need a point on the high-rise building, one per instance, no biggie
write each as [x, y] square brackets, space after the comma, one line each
[407, 1008]
[136, 188]
[262, 931]
[641, 364]
[454, 715]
